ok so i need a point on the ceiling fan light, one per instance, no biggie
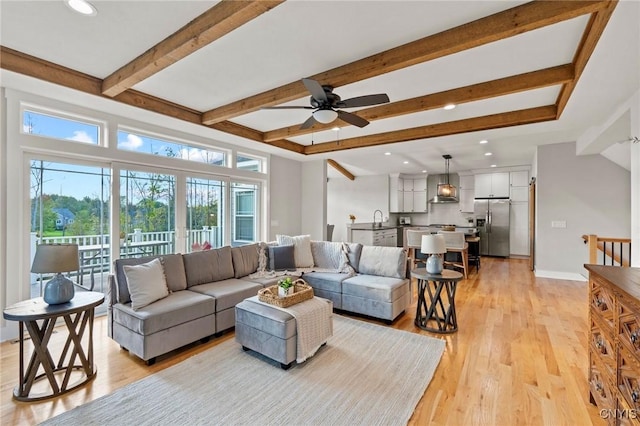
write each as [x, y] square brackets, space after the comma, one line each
[325, 116]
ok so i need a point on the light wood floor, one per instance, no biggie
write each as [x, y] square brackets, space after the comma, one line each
[519, 357]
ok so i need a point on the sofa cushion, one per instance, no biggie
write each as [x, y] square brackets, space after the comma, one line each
[228, 293]
[302, 249]
[329, 281]
[354, 254]
[146, 283]
[327, 255]
[123, 295]
[245, 259]
[281, 258]
[177, 308]
[383, 289]
[207, 266]
[383, 261]
[174, 272]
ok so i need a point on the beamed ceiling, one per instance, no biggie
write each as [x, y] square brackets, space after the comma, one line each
[506, 64]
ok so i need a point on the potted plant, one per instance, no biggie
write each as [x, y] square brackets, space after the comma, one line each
[353, 218]
[122, 237]
[285, 287]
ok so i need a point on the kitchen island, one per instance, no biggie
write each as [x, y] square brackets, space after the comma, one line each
[368, 234]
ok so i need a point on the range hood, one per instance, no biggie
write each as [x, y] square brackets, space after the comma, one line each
[446, 191]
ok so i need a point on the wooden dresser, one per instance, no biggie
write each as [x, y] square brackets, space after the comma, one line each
[614, 342]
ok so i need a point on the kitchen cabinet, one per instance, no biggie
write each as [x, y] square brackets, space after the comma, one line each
[519, 229]
[466, 193]
[492, 185]
[396, 194]
[378, 237]
[519, 216]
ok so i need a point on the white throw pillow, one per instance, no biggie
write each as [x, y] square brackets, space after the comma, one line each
[146, 283]
[301, 249]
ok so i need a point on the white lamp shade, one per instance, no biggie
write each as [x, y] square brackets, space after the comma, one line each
[55, 258]
[325, 116]
[433, 244]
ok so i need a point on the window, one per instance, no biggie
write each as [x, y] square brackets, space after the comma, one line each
[205, 213]
[70, 204]
[57, 127]
[150, 145]
[147, 213]
[251, 163]
[244, 213]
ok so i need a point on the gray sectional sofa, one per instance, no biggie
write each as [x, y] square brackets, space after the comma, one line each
[205, 286]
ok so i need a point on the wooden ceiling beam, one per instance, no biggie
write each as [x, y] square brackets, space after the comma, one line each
[590, 37]
[218, 21]
[341, 169]
[494, 121]
[501, 25]
[15, 61]
[476, 92]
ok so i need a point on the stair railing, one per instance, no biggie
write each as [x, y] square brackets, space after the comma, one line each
[615, 251]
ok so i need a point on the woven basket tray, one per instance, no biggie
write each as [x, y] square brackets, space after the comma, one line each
[302, 292]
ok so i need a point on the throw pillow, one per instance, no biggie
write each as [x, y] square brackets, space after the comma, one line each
[146, 283]
[302, 249]
[281, 258]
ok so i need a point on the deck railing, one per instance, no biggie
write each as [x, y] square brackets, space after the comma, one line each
[611, 251]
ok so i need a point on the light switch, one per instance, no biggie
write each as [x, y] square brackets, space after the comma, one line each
[559, 224]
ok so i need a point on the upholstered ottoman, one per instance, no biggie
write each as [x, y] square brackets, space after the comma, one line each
[272, 331]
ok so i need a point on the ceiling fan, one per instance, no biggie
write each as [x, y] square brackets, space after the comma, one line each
[325, 104]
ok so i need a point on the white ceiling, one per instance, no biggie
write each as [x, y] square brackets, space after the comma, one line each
[300, 38]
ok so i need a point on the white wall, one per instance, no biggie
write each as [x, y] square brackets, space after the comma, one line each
[635, 181]
[360, 197]
[314, 199]
[590, 193]
[285, 197]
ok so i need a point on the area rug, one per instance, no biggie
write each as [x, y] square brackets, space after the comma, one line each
[366, 374]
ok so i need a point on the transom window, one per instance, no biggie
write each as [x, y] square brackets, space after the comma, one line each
[250, 163]
[150, 145]
[59, 127]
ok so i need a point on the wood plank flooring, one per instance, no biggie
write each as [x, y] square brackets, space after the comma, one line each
[519, 357]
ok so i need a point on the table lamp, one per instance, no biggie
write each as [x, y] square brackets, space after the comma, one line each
[56, 258]
[433, 245]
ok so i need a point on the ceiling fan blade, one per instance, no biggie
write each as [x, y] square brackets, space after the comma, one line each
[310, 122]
[360, 101]
[288, 107]
[316, 90]
[350, 118]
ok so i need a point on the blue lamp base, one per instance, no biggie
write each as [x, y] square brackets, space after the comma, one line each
[434, 264]
[59, 290]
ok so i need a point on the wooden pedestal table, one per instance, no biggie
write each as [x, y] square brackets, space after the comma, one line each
[78, 317]
[438, 313]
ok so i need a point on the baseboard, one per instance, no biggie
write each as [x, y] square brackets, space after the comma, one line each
[571, 276]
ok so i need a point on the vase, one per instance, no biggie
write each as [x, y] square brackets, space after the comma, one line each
[282, 292]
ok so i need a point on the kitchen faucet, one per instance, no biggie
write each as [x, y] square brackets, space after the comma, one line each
[374, 218]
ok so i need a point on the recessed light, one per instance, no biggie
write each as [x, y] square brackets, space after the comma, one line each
[335, 129]
[424, 171]
[387, 153]
[82, 6]
[483, 141]
[493, 165]
[488, 153]
[449, 106]
[405, 162]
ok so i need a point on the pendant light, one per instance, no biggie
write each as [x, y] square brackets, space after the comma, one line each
[445, 189]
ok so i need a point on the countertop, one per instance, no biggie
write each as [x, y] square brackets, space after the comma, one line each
[370, 227]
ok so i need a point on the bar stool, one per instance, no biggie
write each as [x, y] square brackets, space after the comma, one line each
[455, 242]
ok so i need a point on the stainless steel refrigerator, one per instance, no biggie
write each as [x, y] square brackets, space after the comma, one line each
[492, 221]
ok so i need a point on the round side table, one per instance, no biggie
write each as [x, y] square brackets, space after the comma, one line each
[78, 317]
[438, 313]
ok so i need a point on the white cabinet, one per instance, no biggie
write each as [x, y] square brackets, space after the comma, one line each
[420, 184]
[379, 237]
[420, 201]
[519, 216]
[519, 229]
[407, 201]
[396, 194]
[467, 193]
[407, 195]
[492, 185]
